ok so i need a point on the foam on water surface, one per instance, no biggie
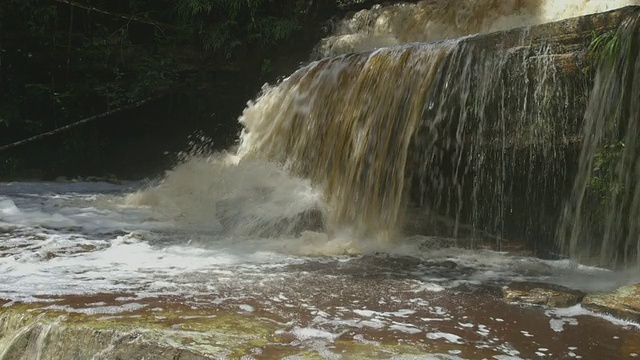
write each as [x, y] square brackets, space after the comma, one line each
[104, 243]
[101, 244]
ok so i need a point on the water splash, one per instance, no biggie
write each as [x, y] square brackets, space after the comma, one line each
[465, 138]
[215, 195]
[353, 142]
[435, 20]
[455, 137]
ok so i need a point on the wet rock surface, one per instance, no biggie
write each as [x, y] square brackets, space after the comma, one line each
[622, 303]
[376, 318]
[531, 293]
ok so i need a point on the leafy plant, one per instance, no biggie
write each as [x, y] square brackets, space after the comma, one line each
[42, 19]
[605, 48]
[266, 68]
[604, 182]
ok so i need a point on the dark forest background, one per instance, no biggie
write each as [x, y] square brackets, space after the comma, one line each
[156, 72]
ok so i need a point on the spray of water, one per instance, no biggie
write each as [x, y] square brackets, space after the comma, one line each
[366, 143]
[352, 142]
[252, 198]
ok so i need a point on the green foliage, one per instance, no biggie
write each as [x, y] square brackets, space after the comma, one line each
[42, 19]
[271, 30]
[62, 62]
[136, 6]
[227, 25]
[604, 182]
[266, 68]
[610, 51]
[154, 75]
[219, 38]
[186, 10]
[605, 48]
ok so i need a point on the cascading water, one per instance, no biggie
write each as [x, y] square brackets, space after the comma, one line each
[601, 218]
[469, 140]
[494, 138]
[353, 142]
[450, 104]
[434, 20]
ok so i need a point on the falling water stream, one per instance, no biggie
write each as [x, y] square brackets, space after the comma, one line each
[375, 202]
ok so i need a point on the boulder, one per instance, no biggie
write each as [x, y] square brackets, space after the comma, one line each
[531, 293]
[623, 303]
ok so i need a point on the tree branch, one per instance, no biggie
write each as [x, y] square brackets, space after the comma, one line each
[78, 123]
[118, 15]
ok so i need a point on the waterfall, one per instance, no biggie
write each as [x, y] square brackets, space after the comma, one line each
[481, 138]
[492, 151]
[463, 138]
[434, 20]
[601, 218]
[451, 127]
[347, 123]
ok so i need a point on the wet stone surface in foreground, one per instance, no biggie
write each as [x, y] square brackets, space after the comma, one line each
[86, 275]
[366, 307]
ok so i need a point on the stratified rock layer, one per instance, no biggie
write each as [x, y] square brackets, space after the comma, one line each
[622, 303]
[541, 294]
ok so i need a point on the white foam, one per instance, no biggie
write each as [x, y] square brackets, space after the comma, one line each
[366, 313]
[405, 328]
[454, 339]
[303, 334]
[561, 316]
[124, 308]
[429, 287]
[117, 246]
[8, 208]
[430, 21]
[213, 193]
[360, 338]
[246, 308]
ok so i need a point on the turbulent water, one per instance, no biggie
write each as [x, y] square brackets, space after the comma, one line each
[75, 238]
[80, 249]
[353, 142]
[433, 20]
[455, 138]
[368, 190]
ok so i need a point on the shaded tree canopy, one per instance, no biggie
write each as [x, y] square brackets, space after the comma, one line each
[65, 60]
[62, 57]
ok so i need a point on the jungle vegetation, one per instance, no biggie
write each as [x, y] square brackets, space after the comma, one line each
[65, 60]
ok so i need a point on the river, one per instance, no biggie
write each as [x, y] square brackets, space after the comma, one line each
[81, 248]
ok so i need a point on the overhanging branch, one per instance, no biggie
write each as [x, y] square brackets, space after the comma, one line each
[78, 123]
[114, 14]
